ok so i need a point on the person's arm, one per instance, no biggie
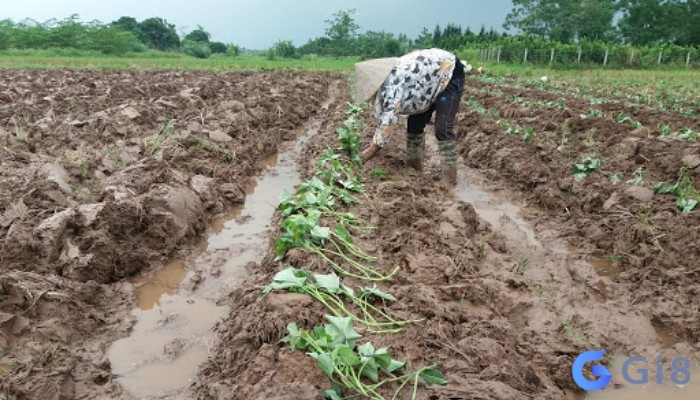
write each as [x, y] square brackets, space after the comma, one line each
[411, 88]
[389, 99]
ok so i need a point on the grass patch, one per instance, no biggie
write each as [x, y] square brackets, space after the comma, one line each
[51, 59]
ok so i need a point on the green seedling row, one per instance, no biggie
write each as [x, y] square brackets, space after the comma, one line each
[329, 291]
[350, 367]
[311, 222]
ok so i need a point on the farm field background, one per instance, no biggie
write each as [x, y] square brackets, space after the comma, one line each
[574, 225]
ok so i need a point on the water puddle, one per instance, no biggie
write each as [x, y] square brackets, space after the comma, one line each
[173, 330]
[604, 266]
[150, 288]
[504, 217]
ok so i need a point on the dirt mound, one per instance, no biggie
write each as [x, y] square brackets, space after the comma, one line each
[105, 174]
[55, 332]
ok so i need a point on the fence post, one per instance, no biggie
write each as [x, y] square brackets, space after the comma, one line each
[525, 59]
[631, 57]
[605, 60]
[661, 53]
[481, 55]
[687, 60]
[578, 60]
[498, 57]
[551, 56]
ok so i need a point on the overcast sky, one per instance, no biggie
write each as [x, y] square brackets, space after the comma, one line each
[257, 24]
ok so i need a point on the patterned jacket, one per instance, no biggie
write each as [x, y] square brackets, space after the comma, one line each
[412, 87]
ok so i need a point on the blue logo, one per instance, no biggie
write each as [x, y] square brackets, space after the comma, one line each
[597, 370]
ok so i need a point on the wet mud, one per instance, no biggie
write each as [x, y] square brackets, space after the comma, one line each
[517, 270]
[108, 175]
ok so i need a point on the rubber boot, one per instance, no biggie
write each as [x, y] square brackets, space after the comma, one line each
[448, 159]
[415, 147]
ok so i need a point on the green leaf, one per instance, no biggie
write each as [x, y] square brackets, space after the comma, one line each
[325, 362]
[286, 197]
[663, 187]
[294, 338]
[330, 283]
[320, 233]
[334, 394]
[347, 357]
[395, 365]
[686, 205]
[341, 330]
[347, 291]
[374, 291]
[343, 233]
[366, 350]
[432, 376]
[588, 166]
[288, 278]
[383, 358]
[617, 177]
[370, 369]
[281, 249]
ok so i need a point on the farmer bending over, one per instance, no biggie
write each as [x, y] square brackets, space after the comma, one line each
[417, 84]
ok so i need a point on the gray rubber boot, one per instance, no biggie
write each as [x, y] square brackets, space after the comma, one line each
[415, 148]
[448, 159]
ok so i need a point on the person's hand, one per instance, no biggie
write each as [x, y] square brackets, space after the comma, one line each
[369, 152]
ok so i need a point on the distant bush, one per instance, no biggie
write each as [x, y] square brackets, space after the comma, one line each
[196, 49]
[285, 49]
[115, 41]
[233, 49]
[218, 47]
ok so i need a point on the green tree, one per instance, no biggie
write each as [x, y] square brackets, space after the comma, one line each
[688, 32]
[159, 34]
[129, 24]
[198, 35]
[378, 44]
[563, 20]
[424, 40]
[342, 31]
[5, 34]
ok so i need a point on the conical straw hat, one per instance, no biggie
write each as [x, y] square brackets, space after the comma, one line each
[370, 75]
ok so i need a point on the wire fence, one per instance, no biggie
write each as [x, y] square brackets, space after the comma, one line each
[607, 57]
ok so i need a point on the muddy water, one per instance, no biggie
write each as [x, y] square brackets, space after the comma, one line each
[151, 288]
[504, 216]
[604, 266]
[173, 330]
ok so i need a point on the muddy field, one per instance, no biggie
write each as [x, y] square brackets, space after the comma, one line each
[516, 271]
[104, 175]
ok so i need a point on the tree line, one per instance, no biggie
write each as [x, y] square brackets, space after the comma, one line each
[599, 24]
[125, 35]
[592, 25]
[636, 22]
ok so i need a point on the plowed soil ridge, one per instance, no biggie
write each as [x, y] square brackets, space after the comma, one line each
[105, 174]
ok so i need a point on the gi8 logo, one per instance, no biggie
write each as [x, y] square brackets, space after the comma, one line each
[679, 376]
